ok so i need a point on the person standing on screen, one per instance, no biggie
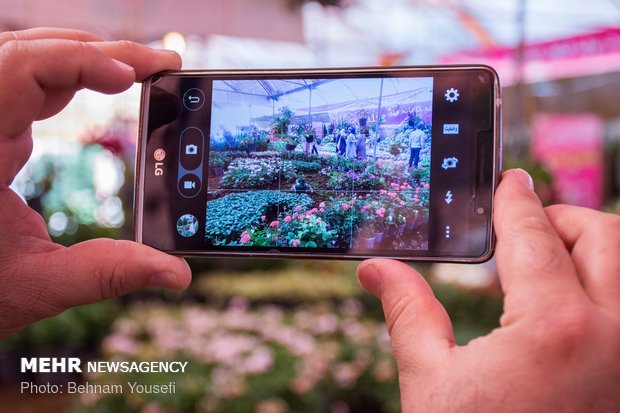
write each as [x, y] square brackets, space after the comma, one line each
[351, 151]
[361, 145]
[341, 146]
[416, 144]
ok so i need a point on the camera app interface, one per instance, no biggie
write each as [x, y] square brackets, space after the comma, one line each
[330, 164]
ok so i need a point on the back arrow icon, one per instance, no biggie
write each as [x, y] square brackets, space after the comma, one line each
[193, 99]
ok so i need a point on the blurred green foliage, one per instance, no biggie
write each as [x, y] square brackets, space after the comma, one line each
[75, 330]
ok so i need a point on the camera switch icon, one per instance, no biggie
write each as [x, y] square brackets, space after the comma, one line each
[449, 163]
[189, 185]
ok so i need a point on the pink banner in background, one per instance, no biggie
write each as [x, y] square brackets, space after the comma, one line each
[570, 146]
[579, 55]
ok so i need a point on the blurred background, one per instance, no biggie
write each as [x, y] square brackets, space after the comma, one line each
[287, 336]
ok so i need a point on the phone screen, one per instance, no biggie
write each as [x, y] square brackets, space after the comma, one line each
[340, 163]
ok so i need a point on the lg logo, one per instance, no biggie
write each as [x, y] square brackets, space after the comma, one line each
[159, 156]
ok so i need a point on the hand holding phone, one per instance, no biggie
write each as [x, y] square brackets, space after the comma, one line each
[338, 163]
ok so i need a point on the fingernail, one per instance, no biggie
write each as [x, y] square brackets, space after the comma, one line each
[524, 177]
[164, 279]
[167, 51]
[124, 66]
[370, 278]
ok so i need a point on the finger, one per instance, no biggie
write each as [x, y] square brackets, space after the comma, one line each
[31, 69]
[49, 33]
[103, 268]
[533, 263]
[593, 238]
[143, 59]
[418, 324]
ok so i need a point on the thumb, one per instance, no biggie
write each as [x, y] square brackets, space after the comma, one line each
[418, 324]
[98, 269]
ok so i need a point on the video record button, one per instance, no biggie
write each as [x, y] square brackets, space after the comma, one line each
[189, 185]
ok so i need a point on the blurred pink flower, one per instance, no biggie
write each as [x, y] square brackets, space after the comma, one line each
[384, 371]
[296, 243]
[392, 195]
[272, 406]
[345, 206]
[274, 224]
[298, 208]
[119, 344]
[263, 217]
[322, 205]
[322, 209]
[302, 384]
[287, 219]
[259, 361]
[245, 238]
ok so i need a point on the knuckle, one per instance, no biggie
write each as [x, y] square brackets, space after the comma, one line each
[562, 332]
[126, 45]
[542, 251]
[112, 278]
[396, 311]
[12, 50]
[111, 282]
[6, 37]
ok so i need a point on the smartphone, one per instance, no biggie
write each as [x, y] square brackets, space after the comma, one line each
[398, 162]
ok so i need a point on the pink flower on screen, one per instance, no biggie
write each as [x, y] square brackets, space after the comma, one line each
[287, 219]
[298, 208]
[263, 217]
[296, 243]
[274, 224]
[345, 206]
[245, 238]
[322, 205]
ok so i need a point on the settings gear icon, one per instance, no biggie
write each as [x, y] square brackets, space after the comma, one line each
[452, 95]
